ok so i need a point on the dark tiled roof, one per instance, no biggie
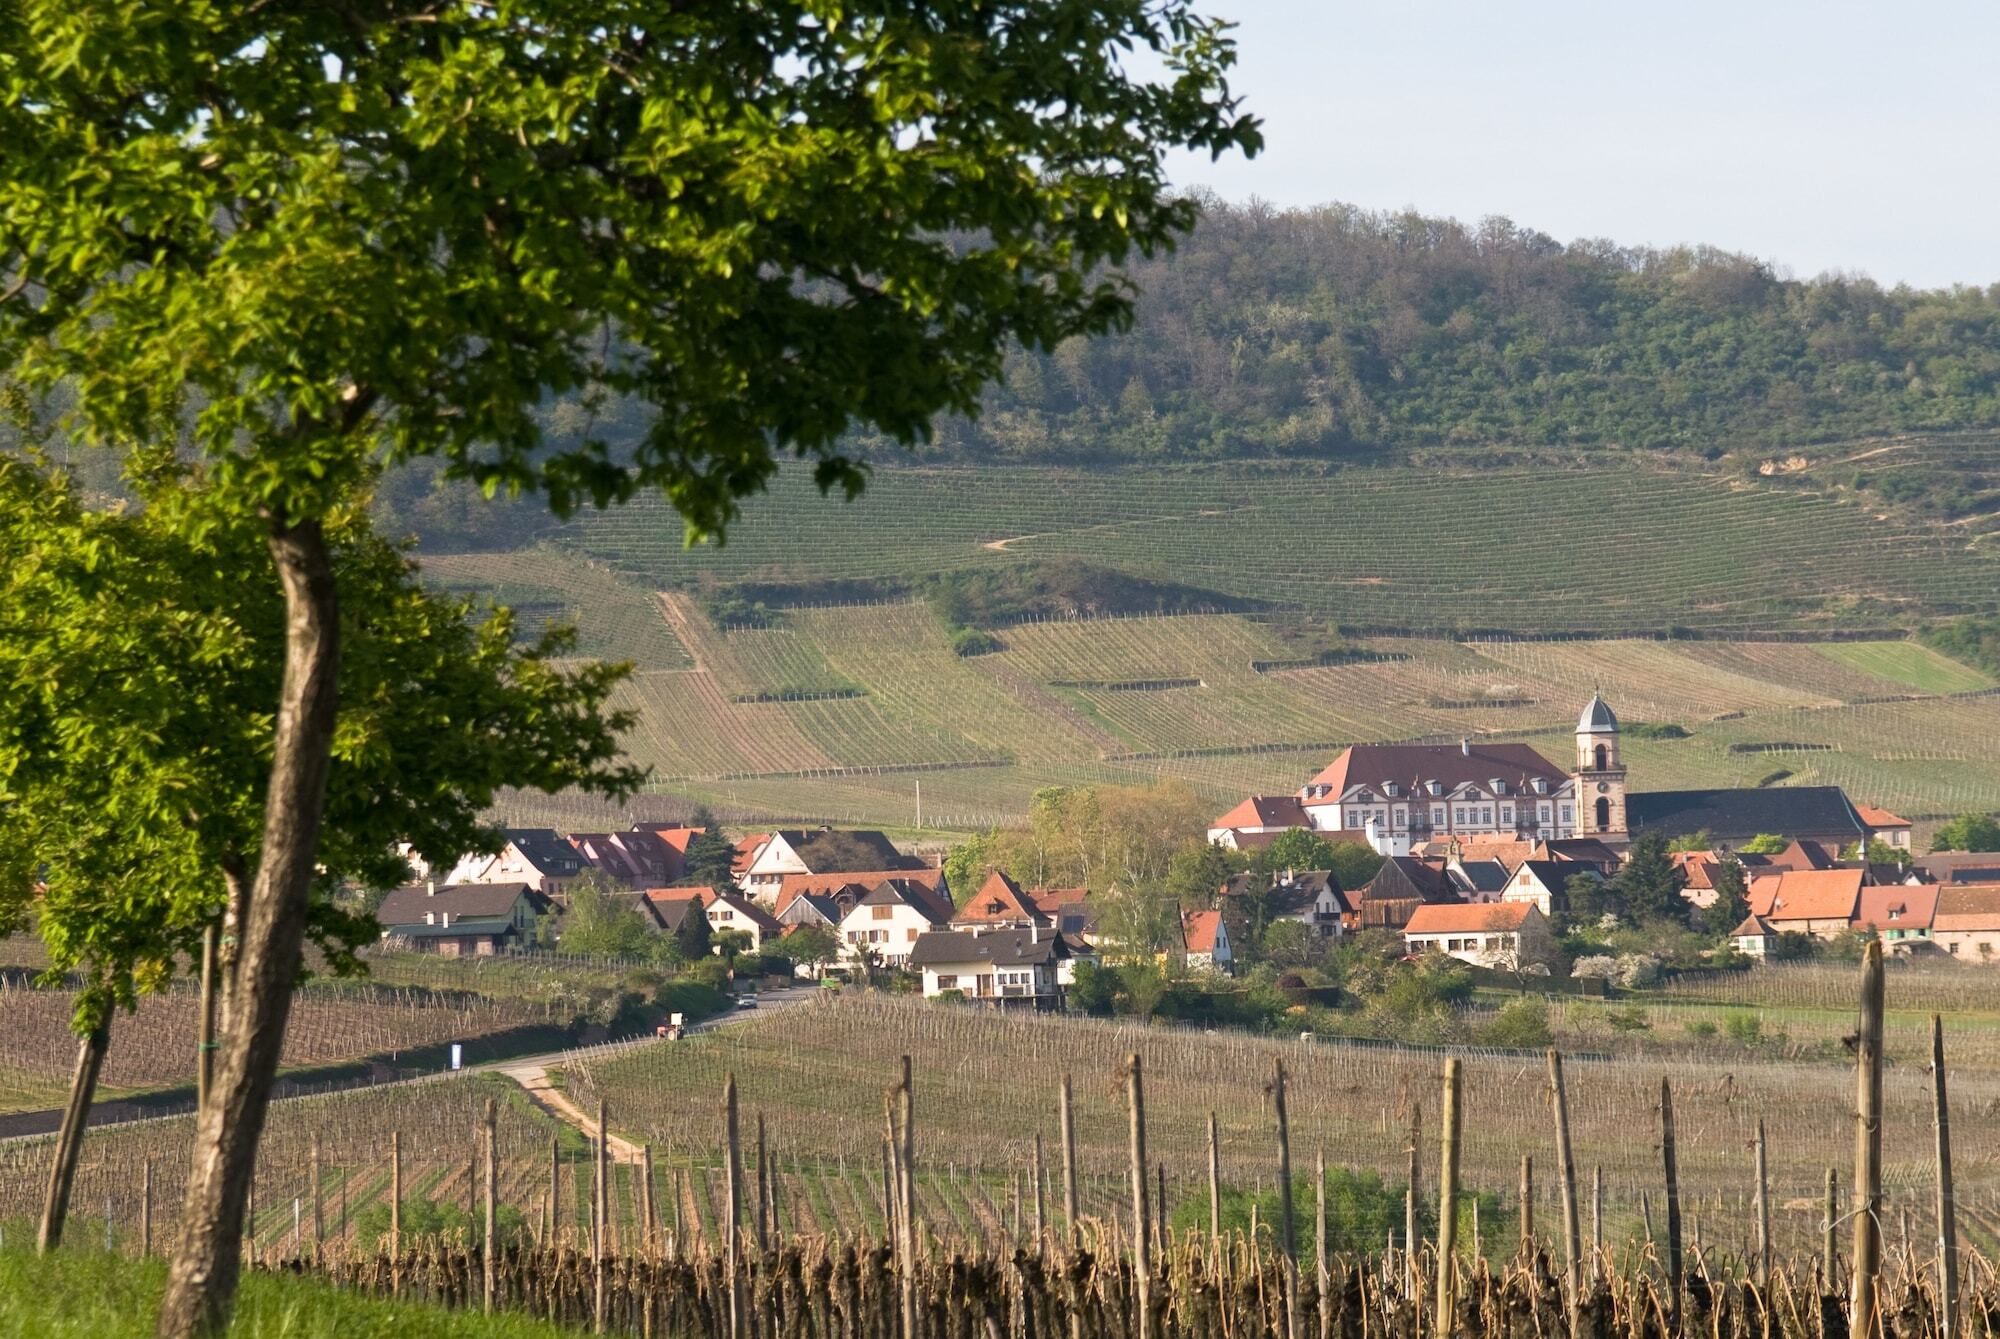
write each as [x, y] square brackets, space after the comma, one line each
[1451, 765]
[462, 901]
[1484, 876]
[546, 850]
[1002, 948]
[1736, 815]
[836, 851]
[1404, 877]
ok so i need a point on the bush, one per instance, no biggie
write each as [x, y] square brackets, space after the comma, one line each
[1745, 1028]
[695, 1000]
[1701, 1029]
[1522, 1024]
[1629, 1019]
[1598, 965]
[973, 642]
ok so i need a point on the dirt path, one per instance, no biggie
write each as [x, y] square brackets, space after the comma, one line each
[534, 1081]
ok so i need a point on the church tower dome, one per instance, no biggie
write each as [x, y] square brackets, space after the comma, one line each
[1600, 772]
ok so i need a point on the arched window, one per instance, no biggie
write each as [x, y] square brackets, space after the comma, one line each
[1603, 758]
[1603, 812]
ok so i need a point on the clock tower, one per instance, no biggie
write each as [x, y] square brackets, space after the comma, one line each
[1600, 774]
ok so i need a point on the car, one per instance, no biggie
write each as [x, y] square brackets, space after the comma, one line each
[747, 1002]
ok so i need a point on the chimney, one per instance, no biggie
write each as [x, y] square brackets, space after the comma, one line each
[1034, 934]
[430, 887]
[1465, 746]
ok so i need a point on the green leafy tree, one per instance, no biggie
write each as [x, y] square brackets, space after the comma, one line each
[1648, 887]
[1297, 849]
[1355, 863]
[602, 923]
[1287, 943]
[1968, 832]
[966, 865]
[1765, 843]
[139, 651]
[813, 945]
[1732, 900]
[1703, 840]
[1197, 872]
[312, 238]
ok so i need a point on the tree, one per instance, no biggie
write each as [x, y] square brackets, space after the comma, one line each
[337, 235]
[1197, 872]
[1968, 832]
[1587, 896]
[1696, 841]
[1648, 886]
[693, 936]
[137, 652]
[1287, 943]
[1134, 925]
[1355, 863]
[813, 945]
[1765, 843]
[600, 923]
[1297, 849]
[709, 861]
[1732, 900]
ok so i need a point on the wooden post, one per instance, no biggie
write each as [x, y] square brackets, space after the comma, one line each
[1566, 1173]
[1763, 1212]
[1867, 1146]
[1527, 1205]
[1596, 1221]
[1160, 1214]
[489, 1241]
[1410, 1192]
[1135, 1095]
[763, 1190]
[1447, 1203]
[1947, 1209]
[1673, 1207]
[1829, 1247]
[204, 1050]
[146, 1210]
[1321, 1278]
[1214, 1182]
[649, 1234]
[1287, 1227]
[318, 1197]
[733, 1226]
[600, 1219]
[1041, 1224]
[906, 1199]
[396, 1193]
[555, 1189]
[1069, 1161]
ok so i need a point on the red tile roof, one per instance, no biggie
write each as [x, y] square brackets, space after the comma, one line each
[1198, 928]
[1807, 895]
[1444, 918]
[791, 885]
[1000, 901]
[1265, 811]
[1879, 818]
[1967, 906]
[1898, 907]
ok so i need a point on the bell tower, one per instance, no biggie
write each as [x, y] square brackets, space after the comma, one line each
[1600, 774]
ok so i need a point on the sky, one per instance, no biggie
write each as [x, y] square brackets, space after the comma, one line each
[1821, 136]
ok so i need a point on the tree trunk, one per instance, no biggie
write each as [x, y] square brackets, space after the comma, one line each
[257, 994]
[69, 1143]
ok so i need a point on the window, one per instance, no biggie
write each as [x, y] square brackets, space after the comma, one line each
[1486, 815]
[1458, 814]
[1545, 813]
[1506, 813]
[947, 982]
[912, 932]
[1566, 814]
[1437, 813]
[1399, 816]
[882, 913]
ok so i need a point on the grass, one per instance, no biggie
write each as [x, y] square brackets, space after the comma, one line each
[1908, 663]
[84, 1294]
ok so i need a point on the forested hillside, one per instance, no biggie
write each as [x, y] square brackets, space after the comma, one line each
[1276, 332]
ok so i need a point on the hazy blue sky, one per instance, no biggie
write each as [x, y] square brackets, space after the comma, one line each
[1824, 135]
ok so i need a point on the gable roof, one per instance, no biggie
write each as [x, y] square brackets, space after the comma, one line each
[1000, 900]
[1583, 850]
[1406, 877]
[845, 850]
[1265, 811]
[1802, 854]
[1002, 948]
[1553, 875]
[1469, 918]
[1697, 868]
[1967, 907]
[675, 838]
[747, 850]
[1504, 853]
[1450, 765]
[1739, 814]
[1753, 927]
[1897, 907]
[634, 857]
[1879, 819]
[545, 849]
[406, 906]
[906, 892]
[1483, 876]
[1807, 895]
[1199, 929]
[746, 908]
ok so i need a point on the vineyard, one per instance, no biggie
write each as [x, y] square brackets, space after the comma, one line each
[991, 1172]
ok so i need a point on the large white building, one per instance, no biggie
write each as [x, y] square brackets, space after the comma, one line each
[1403, 795]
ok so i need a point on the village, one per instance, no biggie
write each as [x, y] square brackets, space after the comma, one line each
[1486, 853]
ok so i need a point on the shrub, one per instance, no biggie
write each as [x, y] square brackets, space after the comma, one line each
[1701, 1029]
[1523, 1023]
[1746, 1028]
[1629, 1019]
[973, 642]
[1597, 964]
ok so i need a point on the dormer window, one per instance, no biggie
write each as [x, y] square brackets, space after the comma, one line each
[1540, 786]
[1390, 789]
[1499, 786]
[1433, 788]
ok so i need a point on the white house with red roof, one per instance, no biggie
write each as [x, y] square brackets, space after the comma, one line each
[1256, 816]
[1485, 934]
[1885, 826]
[1207, 940]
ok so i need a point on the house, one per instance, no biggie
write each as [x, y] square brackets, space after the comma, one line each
[1506, 853]
[1802, 854]
[1545, 883]
[792, 885]
[1207, 940]
[1754, 937]
[1959, 867]
[676, 840]
[819, 851]
[1257, 816]
[1819, 814]
[636, 859]
[538, 857]
[748, 848]
[1699, 871]
[1410, 794]
[1009, 967]
[1582, 851]
[1312, 897]
[1000, 901]
[1822, 902]
[823, 909]
[1477, 880]
[1069, 910]
[1491, 934]
[725, 911]
[1901, 915]
[1966, 924]
[466, 919]
[1403, 884]
[1884, 826]
[889, 919]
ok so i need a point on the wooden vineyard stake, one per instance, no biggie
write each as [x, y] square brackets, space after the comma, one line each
[906, 1199]
[1763, 1212]
[1411, 1190]
[1527, 1205]
[1596, 1222]
[1214, 1183]
[1447, 1262]
[1829, 1247]
[1566, 1175]
[1673, 1206]
[1321, 1278]
[1947, 1207]
[648, 1232]
[146, 1210]
[1867, 1146]
[1041, 1226]
[1160, 1214]
[1287, 1227]
[396, 1198]
[763, 1190]
[489, 1249]
[1142, 1265]
[600, 1218]
[1069, 1162]
[733, 1223]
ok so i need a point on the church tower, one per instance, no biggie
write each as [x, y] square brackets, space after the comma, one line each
[1600, 774]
